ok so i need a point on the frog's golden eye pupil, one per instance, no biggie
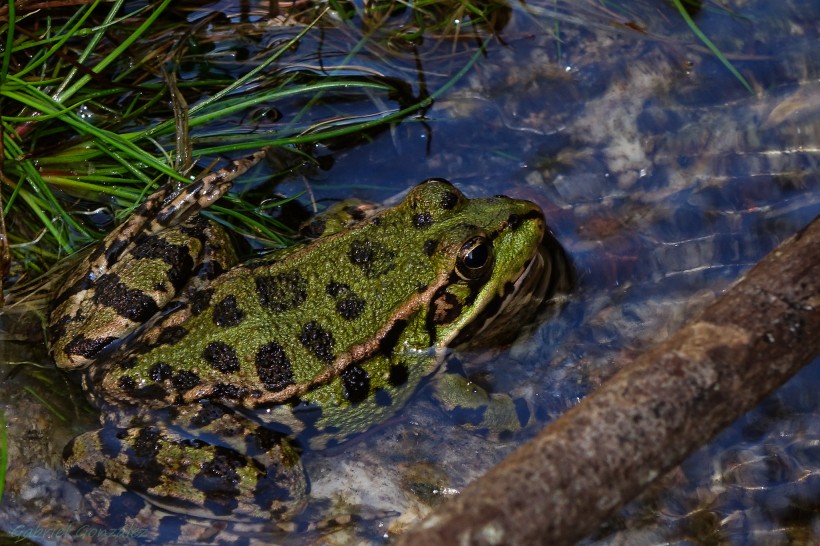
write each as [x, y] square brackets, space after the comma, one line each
[475, 258]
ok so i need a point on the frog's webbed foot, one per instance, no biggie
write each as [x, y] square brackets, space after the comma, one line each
[474, 408]
[255, 474]
[140, 267]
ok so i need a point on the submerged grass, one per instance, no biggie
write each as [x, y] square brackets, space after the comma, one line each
[684, 13]
[550, 14]
[46, 404]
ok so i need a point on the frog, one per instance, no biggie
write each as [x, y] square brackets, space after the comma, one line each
[212, 375]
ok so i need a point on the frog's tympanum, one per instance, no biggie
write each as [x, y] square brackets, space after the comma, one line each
[211, 374]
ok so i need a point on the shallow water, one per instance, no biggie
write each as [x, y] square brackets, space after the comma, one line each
[664, 179]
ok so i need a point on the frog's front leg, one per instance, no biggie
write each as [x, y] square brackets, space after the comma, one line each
[476, 409]
[210, 462]
[137, 269]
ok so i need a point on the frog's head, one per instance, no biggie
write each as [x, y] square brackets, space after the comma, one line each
[496, 260]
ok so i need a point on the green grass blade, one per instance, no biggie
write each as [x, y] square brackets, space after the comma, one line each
[712, 47]
[61, 96]
[7, 48]
[44, 201]
[48, 406]
[43, 103]
[62, 37]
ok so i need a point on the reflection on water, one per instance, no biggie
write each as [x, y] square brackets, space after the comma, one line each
[665, 179]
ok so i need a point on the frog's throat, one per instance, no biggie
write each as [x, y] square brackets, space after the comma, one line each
[527, 291]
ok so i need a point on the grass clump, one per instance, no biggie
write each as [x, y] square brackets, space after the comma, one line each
[100, 102]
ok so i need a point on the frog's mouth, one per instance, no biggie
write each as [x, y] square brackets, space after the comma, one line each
[540, 290]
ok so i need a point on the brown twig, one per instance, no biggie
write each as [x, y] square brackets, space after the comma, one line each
[650, 415]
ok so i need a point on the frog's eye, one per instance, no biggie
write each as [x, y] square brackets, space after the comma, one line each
[475, 258]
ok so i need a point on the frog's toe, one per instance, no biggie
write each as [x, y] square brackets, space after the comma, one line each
[189, 476]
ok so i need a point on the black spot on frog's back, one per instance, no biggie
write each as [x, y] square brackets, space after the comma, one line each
[161, 372]
[171, 335]
[422, 220]
[227, 313]
[126, 384]
[350, 307]
[221, 356]
[450, 199]
[318, 341]
[200, 300]
[178, 257]
[348, 304]
[372, 257]
[283, 291]
[361, 252]
[132, 304]
[185, 380]
[335, 289]
[273, 367]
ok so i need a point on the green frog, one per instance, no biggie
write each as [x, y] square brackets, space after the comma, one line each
[212, 374]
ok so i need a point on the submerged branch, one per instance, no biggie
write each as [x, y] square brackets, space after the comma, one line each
[649, 416]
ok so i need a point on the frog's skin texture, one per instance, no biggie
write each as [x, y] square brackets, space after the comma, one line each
[209, 372]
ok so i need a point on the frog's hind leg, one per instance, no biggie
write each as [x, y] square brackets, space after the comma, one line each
[227, 468]
[167, 207]
[198, 195]
[130, 515]
[137, 269]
